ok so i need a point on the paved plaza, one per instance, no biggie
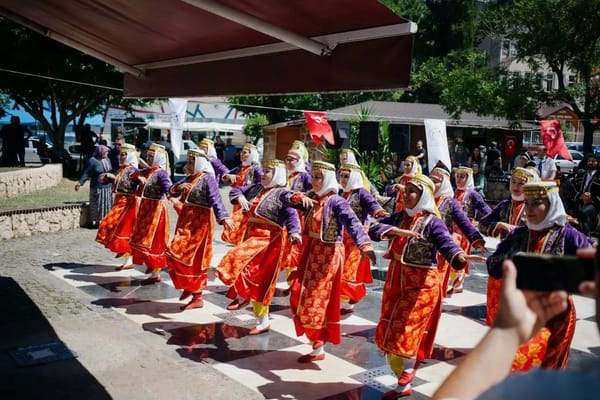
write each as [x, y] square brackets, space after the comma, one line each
[133, 342]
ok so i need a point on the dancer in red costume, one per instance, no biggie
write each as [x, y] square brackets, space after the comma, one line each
[151, 230]
[190, 252]
[116, 227]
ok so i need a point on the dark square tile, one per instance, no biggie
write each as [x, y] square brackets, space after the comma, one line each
[476, 312]
[218, 342]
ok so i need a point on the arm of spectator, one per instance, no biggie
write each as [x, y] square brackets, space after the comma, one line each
[520, 315]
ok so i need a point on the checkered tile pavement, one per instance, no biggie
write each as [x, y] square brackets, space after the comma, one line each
[355, 369]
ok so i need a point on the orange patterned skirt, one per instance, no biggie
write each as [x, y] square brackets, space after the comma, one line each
[356, 271]
[315, 291]
[411, 297]
[252, 267]
[150, 234]
[116, 227]
[190, 253]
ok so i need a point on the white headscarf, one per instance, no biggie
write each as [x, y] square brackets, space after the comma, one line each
[470, 182]
[330, 183]
[416, 166]
[160, 156]
[426, 201]
[300, 163]
[350, 157]
[279, 174]
[253, 159]
[446, 187]
[132, 155]
[556, 211]
[211, 152]
[527, 175]
[356, 179]
[201, 163]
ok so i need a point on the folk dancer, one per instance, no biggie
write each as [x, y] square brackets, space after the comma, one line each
[208, 147]
[412, 286]
[454, 217]
[356, 271]
[506, 216]
[151, 230]
[316, 285]
[116, 227]
[252, 267]
[411, 168]
[190, 252]
[475, 207]
[546, 232]
[248, 173]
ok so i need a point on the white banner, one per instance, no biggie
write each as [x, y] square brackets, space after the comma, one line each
[178, 110]
[437, 143]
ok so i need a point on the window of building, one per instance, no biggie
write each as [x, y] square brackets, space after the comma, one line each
[549, 82]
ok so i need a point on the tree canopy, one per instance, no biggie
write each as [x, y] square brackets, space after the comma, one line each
[70, 84]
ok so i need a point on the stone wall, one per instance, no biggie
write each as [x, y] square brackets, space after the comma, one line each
[28, 222]
[19, 182]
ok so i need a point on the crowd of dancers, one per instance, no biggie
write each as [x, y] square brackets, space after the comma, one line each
[317, 223]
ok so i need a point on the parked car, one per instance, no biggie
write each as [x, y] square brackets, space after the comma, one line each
[567, 166]
[579, 147]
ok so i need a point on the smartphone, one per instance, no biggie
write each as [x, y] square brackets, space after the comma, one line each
[547, 273]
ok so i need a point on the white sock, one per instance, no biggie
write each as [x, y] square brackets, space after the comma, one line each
[347, 306]
[264, 322]
[154, 274]
[128, 261]
[318, 351]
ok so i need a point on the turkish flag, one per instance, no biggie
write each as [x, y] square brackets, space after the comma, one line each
[552, 137]
[318, 127]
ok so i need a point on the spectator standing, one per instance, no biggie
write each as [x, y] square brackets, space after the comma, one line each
[88, 140]
[230, 154]
[421, 155]
[220, 148]
[479, 180]
[521, 315]
[13, 142]
[100, 187]
[478, 158]
[546, 165]
[494, 158]
[114, 153]
[461, 158]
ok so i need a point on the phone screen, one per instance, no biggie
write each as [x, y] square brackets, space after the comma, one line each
[548, 273]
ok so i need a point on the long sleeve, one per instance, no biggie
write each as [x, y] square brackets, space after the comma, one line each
[215, 199]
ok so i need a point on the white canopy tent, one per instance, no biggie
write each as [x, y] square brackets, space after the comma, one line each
[199, 126]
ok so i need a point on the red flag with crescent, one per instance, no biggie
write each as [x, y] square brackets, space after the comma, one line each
[552, 137]
[318, 127]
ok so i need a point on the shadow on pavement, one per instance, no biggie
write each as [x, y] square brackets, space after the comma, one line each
[24, 325]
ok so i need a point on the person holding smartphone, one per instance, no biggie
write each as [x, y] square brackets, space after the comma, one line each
[546, 232]
[520, 316]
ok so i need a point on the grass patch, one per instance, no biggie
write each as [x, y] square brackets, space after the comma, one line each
[63, 193]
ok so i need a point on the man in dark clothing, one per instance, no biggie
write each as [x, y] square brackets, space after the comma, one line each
[88, 140]
[494, 158]
[14, 142]
[220, 148]
[587, 197]
[113, 154]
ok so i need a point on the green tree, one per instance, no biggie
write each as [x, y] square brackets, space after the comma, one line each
[85, 86]
[564, 35]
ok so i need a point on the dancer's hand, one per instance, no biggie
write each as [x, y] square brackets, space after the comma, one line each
[228, 223]
[243, 202]
[295, 238]
[371, 255]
